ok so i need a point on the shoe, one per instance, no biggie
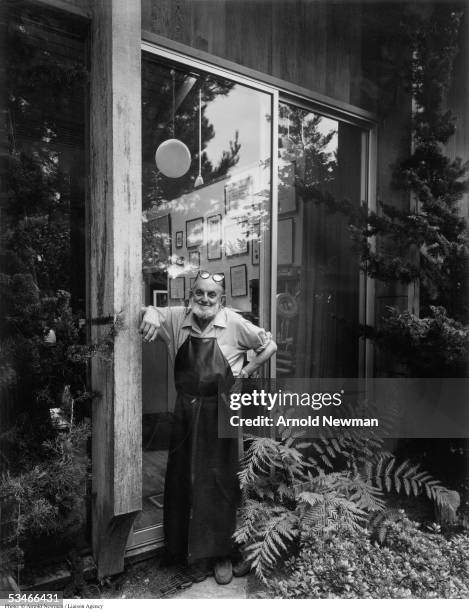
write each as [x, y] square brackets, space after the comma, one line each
[241, 568]
[223, 571]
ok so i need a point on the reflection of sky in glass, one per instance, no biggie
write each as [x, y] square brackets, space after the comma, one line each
[242, 110]
[326, 126]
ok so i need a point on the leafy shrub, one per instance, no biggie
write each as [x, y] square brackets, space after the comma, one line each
[288, 497]
[411, 564]
[46, 500]
[436, 343]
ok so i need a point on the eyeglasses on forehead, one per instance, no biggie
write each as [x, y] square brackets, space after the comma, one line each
[217, 277]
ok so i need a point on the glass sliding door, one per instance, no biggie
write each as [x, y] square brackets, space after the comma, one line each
[214, 217]
[318, 272]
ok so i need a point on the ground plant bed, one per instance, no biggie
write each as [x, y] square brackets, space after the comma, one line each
[413, 561]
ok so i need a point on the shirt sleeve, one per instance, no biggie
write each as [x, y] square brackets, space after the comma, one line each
[251, 337]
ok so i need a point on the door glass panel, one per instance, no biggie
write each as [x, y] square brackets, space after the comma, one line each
[217, 223]
[318, 277]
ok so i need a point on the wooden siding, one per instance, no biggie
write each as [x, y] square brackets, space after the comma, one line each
[316, 45]
[76, 7]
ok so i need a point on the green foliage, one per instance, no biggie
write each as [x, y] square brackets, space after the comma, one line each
[51, 487]
[47, 499]
[44, 384]
[44, 479]
[436, 343]
[428, 243]
[290, 497]
[412, 563]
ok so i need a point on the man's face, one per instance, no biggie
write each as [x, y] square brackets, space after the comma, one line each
[206, 298]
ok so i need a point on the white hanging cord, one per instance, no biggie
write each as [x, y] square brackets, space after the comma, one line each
[200, 132]
[199, 180]
[173, 75]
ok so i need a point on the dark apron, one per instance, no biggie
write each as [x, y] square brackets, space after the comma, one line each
[201, 487]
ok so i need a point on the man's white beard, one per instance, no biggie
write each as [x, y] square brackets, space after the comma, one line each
[206, 312]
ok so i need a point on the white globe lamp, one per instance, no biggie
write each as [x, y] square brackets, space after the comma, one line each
[173, 158]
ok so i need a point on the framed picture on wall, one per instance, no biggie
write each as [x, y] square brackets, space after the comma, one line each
[177, 288]
[238, 196]
[239, 280]
[214, 237]
[236, 238]
[255, 245]
[160, 298]
[285, 242]
[194, 232]
[179, 239]
[192, 280]
[194, 260]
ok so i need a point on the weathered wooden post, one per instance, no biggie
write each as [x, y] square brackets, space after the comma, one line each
[115, 274]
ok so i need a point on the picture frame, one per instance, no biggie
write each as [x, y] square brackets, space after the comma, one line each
[179, 239]
[160, 298]
[238, 196]
[194, 232]
[285, 251]
[255, 244]
[214, 237]
[239, 280]
[236, 238]
[192, 280]
[177, 288]
[194, 259]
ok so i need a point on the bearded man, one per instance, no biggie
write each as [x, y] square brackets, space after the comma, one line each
[207, 344]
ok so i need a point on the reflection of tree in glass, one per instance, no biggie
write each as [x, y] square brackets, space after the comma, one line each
[306, 142]
[157, 126]
[155, 245]
[42, 276]
[44, 107]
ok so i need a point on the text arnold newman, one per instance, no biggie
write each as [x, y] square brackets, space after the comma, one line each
[309, 421]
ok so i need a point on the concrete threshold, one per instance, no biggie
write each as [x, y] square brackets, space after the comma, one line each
[209, 589]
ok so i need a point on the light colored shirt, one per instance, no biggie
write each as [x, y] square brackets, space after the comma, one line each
[235, 335]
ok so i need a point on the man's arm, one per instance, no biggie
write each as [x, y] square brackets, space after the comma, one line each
[151, 322]
[259, 359]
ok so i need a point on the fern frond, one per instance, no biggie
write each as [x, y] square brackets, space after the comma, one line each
[387, 476]
[259, 458]
[326, 511]
[252, 512]
[366, 495]
[265, 455]
[380, 521]
[271, 541]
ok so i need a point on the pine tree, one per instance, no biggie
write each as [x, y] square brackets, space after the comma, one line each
[429, 243]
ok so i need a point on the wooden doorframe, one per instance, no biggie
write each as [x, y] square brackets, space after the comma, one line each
[115, 275]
